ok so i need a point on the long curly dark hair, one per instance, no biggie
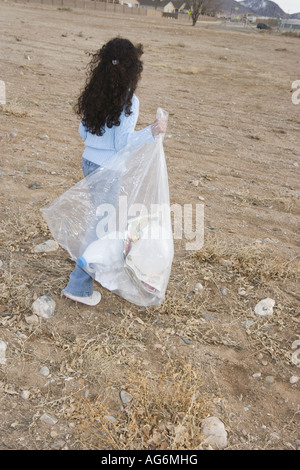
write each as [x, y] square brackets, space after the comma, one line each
[113, 75]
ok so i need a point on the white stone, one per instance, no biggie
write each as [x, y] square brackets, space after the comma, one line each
[32, 320]
[125, 397]
[264, 307]
[43, 306]
[48, 419]
[44, 371]
[3, 347]
[198, 286]
[25, 394]
[294, 379]
[214, 431]
[225, 262]
[47, 246]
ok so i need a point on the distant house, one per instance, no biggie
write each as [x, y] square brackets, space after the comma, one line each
[130, 3]
[167, 6]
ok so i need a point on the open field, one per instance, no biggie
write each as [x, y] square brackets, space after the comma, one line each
[233, 140]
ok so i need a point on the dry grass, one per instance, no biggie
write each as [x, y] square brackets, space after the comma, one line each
[14, 108]
[253, 261]
[165, 412]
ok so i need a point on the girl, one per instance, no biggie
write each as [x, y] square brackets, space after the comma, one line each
[109, 111]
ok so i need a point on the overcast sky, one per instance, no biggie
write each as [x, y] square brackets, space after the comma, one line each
[289, 6]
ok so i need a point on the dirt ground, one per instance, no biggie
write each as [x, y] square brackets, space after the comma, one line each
[233, 141]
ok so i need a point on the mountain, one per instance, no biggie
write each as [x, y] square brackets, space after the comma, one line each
[230, 6]
[265, 8]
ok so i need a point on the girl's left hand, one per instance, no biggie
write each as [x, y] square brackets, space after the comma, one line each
[159, 126]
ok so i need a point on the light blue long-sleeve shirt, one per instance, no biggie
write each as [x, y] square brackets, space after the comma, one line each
[99, 149]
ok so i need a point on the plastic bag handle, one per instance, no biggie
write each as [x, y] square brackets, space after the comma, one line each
[161, 114]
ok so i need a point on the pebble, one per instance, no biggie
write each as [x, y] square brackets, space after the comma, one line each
[32, 320]
[198, 286]
[34, 185]
[257, 374]
[25, 394]
[270, 379]
[214, 431]
[43, 306]
[1, 263]
[44, 371]
[44, 137]
[48, 419]
[225, 262]
[294, 379]
[49, 245]
[3, 347]
[125, 397]
[223, 291]
[264, 307]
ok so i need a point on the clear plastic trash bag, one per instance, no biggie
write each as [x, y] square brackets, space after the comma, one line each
[116, 223]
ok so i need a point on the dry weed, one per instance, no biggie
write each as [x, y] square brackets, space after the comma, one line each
[165, 412]
[253, 261]
[14, 108]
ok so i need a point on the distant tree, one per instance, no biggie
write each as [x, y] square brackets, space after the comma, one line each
[202, 7]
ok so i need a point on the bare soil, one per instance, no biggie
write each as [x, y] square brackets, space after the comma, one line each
[234, 130]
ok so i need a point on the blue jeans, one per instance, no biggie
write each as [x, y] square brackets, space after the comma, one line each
[81, 283]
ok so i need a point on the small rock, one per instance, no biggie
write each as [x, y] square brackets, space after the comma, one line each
[257, 374]
[186, 340]
[224, 291]
[264, 307]
[3, 347]
[25, 394]
[207, 316]
[198, 287]
[48, 419]
[270, 379]
[111, 419]
[43, 306]
[58, 445]
[201, 198]
[44, 371]
[34, 185]
[1, 263]
[32, 320]
[226, 262]
[247, 323]
[49, 245]
[214, 431]
[195, 182]
[241, 291]
[12, 134]
[294, 379]
[125, 397]
[44, 137]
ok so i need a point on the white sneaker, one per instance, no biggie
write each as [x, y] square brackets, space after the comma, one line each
[94, 299]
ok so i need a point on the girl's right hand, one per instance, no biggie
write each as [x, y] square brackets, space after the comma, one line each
[159, 126]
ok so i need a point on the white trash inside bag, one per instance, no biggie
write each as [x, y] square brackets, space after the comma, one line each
[116, 223]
